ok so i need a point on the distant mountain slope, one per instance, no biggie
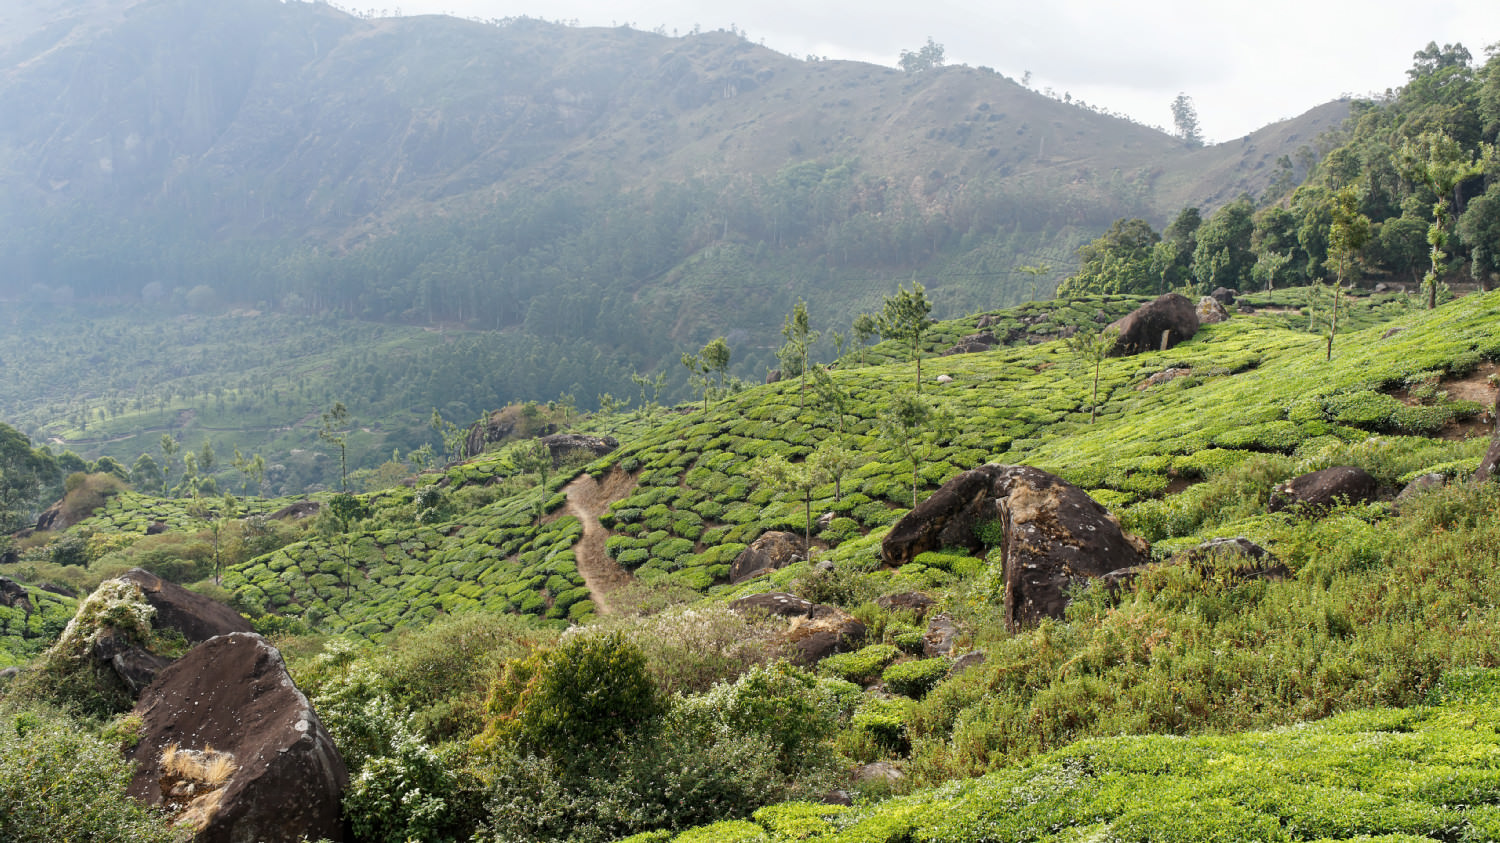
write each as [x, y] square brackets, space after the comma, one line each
[269, 117]
[628, 194]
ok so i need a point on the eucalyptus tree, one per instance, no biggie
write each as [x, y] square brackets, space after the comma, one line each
[904, 318]
[799, 339]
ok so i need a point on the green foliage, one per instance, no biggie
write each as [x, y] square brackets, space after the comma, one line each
[415, 793]
[69, 674]
[915, 678]
[904, 318]
[588, 695]
[27, 476]
[861, 666]
[1120, 261]
[58, 781]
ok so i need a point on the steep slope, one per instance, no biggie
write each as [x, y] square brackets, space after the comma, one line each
[256, 115]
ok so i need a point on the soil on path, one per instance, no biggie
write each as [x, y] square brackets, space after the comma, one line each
[587, 500]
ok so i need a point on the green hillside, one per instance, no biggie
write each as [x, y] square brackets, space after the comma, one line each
[488, 550]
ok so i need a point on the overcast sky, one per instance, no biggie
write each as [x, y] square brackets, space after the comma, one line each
[1244, 64]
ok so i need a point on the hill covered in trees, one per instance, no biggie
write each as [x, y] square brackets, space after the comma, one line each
[627, 189]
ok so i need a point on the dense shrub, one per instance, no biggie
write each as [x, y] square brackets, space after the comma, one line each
[915, 678]
[690, 650]
[861, 666]
[571, 703]
[60, 782]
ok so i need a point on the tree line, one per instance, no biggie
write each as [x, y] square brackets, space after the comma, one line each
[1410, 193]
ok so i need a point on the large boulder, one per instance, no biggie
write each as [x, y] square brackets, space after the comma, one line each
[297, 511]
[777, 603]
[1419, 485]
[1053, 535]
[914, 602]
[772, 550]
[111, 639]
[13, 595]
[1318, 490]
[816, 631]
[564, 445]
[515, 421]
[972, 344]
[1155, 325]
[230, 699]
[1490, 465]
[1211, 311]
[198, 618]
[823, 632]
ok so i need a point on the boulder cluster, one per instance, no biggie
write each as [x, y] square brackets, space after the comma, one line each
[227, 745]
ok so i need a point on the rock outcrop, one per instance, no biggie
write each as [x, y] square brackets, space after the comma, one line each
[515, 421]
[1164, 376]
[1054, 534]
[824, 631]
[772, 550]
[941, 632]
[1211, 311]
[198, 618]
[907, 601]
[232, 697]
[1319, 490]
[297, 511]
[564, 445]
[1158, 324]
[1420, 484]
[110, 636]
[1490, 466]
[13, 595]
[972, 344]
[816, 631]
[776, 603]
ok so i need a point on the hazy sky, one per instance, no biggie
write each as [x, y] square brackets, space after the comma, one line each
[1244, 64]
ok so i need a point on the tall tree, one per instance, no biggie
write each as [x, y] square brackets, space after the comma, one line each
[1222, 257]
[1185, 119]
[1346, 242]
[929, 56]
[1118, 261]
[169, 449]
[865, 328]
[697, 376]
[903, 318]
[910, 426]
[1091, 348]
[1442, 163]
[799, 339]
[334, 429]
[715, 356]
[802, 478]
[1172, 258]
[1479, 227]
[25, 472]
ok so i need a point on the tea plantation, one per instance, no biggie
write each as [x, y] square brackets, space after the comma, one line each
[1346, 701]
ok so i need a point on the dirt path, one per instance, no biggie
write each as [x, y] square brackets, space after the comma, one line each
[587, 500]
